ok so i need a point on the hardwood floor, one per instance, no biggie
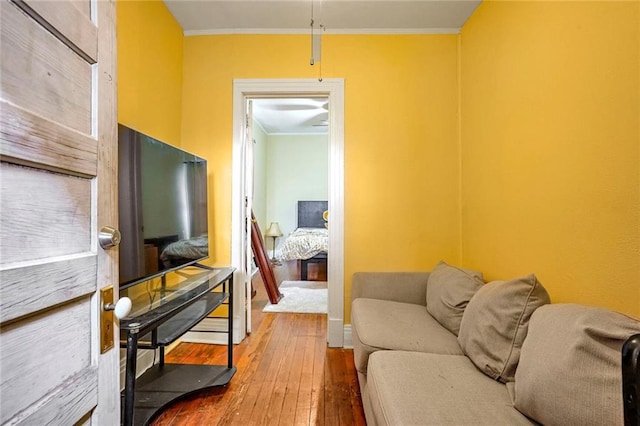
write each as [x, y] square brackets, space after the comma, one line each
[286, 373]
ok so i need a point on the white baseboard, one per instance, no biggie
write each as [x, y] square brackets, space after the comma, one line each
[213, 331]
[209, 330]
[348, 337]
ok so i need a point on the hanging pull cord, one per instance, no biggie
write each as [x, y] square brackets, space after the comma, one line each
[320, 67]
[311, 61]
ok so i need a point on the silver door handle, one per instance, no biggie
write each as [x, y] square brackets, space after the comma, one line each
[108, 237]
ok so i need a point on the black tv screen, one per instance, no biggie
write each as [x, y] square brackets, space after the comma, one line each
[162, 208]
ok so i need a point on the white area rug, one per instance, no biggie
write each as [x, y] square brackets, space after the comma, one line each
[307, 297]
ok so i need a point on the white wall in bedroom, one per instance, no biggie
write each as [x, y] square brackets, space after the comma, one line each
[297, 169]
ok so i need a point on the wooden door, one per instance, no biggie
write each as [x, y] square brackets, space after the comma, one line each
[57, 189]
[248, 212]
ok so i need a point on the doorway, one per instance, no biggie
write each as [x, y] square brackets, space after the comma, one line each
[333, 91]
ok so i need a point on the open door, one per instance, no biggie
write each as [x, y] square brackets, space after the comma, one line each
[255, 243]
[57, 190]
[248, 212]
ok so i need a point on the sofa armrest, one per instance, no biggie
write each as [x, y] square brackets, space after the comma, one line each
[407, 287]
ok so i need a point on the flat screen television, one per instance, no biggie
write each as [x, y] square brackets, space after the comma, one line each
[162, 207]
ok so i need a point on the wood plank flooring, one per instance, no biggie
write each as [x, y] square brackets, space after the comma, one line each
[286, 373]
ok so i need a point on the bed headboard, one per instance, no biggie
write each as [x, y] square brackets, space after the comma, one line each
[310, 213]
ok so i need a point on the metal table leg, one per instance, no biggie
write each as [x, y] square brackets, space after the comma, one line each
[130, 377]
[230, 326]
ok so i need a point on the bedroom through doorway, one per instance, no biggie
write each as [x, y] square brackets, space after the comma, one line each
[290, 195]
[302, 96]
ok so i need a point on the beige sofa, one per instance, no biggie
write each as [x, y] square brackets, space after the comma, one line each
[444, 348]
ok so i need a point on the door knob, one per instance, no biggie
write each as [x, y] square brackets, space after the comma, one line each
[109, 309]
[109, 237]
[121, 308]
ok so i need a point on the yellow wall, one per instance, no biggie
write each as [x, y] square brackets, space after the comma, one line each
[549, 96]
[551, 147]
[150, 44]
[401, 137]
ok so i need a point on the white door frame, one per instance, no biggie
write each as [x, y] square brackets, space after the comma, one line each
[332, 88]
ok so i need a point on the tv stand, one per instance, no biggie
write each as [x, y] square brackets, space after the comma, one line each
[161, 315]
[200, 265]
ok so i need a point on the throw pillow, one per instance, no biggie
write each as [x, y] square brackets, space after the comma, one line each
[495, 323]
[570, 365]
[449, 290]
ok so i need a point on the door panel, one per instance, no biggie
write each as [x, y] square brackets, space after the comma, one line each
[83, 6]
[78, 395]
[62, 357]
[28, 138]
[41, 73]
[44, 214]
[68, 21]
[58, 188]
[32, 287]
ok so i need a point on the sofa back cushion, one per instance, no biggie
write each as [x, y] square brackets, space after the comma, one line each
[495, 324]
[570, 365]
[449, 290]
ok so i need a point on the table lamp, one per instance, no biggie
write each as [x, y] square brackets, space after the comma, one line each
[274, 232]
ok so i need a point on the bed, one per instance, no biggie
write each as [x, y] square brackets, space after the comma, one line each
[309, 242]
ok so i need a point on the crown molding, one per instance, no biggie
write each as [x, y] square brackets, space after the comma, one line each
[306, 31]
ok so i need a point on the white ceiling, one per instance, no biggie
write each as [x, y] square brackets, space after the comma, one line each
[292, 115]
[297, 115]
[337, 16]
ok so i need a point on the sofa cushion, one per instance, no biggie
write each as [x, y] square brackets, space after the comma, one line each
[382, 324]
[405, 287]
[495, 324]
[449, 290]
[411, 388]
[583, 384]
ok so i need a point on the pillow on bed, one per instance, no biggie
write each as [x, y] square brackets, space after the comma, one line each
[449, 290]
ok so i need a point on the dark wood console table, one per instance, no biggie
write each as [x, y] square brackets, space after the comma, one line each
[159, 316]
